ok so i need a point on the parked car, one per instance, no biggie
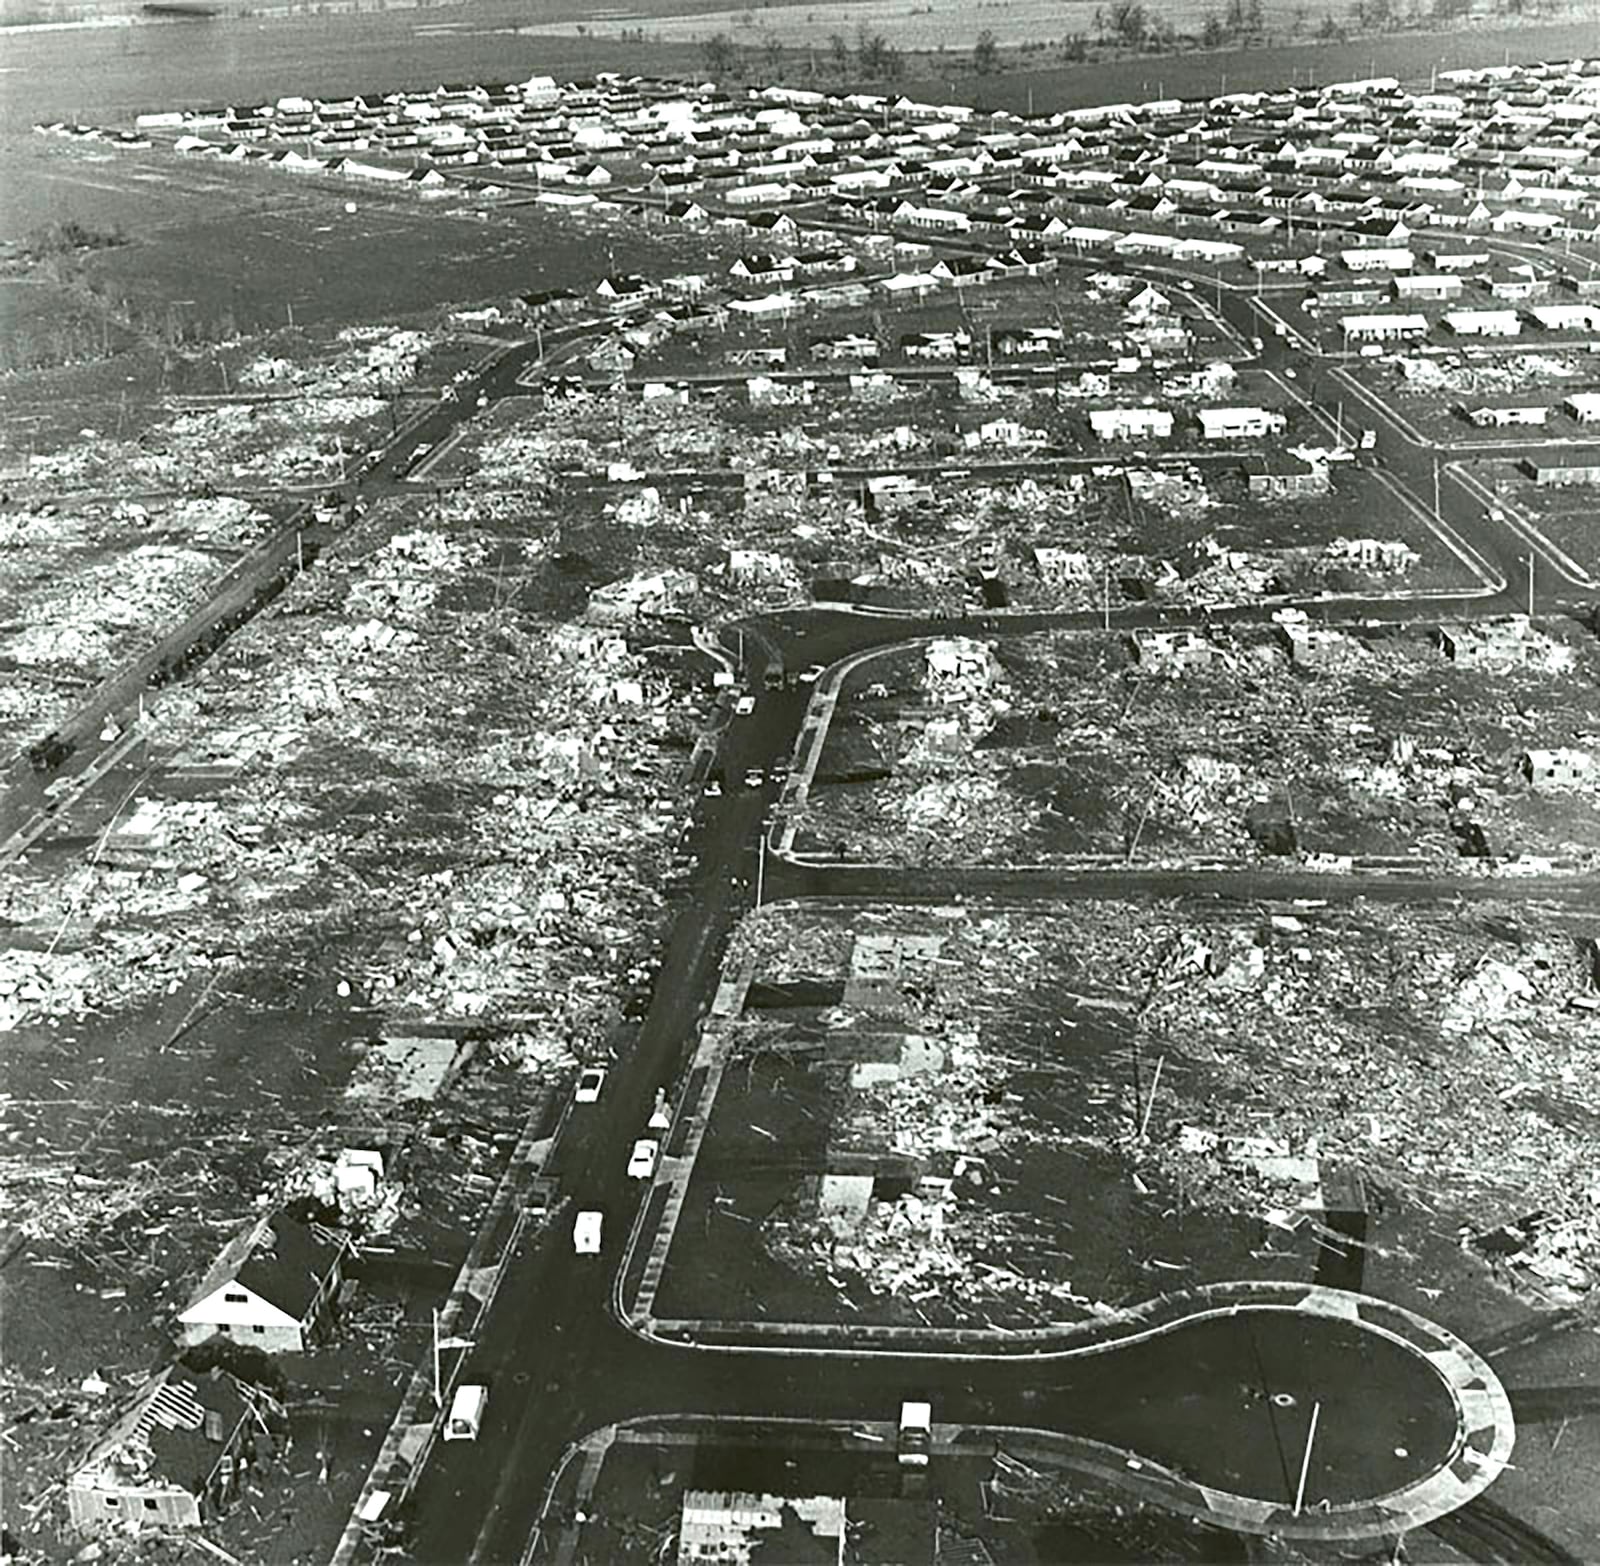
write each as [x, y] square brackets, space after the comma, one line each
[642, 1164]
[589, 1085]
[745, 705]
[754, 778]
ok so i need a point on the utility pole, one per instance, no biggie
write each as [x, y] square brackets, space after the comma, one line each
[438, 1391]
[1530, 584]
[1106, 599]
[1436, 516]
[1305, 1462]
[761, 865]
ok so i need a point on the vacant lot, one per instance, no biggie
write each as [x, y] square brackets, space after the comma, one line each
[1563, 514]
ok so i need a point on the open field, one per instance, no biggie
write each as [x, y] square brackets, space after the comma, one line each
[927, 26]
[116, 73]
[276, 243]
[1069, 747]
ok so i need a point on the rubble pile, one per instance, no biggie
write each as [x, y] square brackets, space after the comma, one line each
[85, 623]
[948, 798]
[1454, 1066]
[1506, 373]
[35, 985]
[295, 441]
[1285, 1060]
[1363, 744]
[361, 671]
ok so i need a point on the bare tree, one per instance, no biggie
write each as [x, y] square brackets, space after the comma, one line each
[1127, 21]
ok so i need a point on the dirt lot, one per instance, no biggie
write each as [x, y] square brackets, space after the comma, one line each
[1070, 748]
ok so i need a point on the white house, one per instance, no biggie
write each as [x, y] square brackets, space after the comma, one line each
[1566, 317]
[1427, 285]
[1130, 423]
[1383, 328]
[273, 1287]
[1240, 423]
[1483, 323]
[1377, 259]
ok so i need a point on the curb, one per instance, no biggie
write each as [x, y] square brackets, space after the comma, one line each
[393, 1452]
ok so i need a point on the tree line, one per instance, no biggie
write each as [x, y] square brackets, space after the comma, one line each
[1116, 25]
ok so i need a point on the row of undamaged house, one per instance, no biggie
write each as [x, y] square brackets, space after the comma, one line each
[1516, 152]
[184, 1444]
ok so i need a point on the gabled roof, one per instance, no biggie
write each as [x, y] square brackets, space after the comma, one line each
[159, 1438]
[277, 1259]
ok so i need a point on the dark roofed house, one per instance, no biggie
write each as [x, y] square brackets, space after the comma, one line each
[546, 302]
[175, 1455]
[1282, 475]
[274, 1287]
[1560, 470]
[624, 291]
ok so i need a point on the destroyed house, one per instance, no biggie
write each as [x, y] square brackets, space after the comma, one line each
[274, 1287]
[551, 302]
[1557, 769]
[733, 1529]
[848, 345]
[1171, 653]
[175, 1456]
[1026, 341]
[939, 346]
[1485, 642]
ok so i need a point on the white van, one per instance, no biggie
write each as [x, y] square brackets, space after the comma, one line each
[466, 1413]
[586, 1233]
[916, 1434]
